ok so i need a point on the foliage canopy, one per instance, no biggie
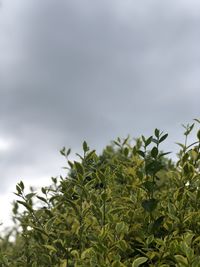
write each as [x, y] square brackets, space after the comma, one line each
[130, 206]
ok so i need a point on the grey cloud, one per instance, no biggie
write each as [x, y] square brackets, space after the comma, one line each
[75, 70]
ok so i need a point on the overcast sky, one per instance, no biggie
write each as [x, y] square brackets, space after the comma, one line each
[91, 70]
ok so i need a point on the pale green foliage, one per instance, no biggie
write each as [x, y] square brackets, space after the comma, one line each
[130, 206]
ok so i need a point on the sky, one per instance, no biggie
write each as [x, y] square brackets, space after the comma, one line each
[75, 70]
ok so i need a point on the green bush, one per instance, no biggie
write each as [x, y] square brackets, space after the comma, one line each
[129, 206]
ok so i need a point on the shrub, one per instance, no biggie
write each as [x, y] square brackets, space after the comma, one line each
[129, 206]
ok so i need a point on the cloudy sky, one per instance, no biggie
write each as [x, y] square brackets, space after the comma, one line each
[91, 70]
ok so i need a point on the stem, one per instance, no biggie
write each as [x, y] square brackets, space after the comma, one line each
[34, 215]
[67, 256]
[185, 147]
[104, 213]
[81, 225]
[145, 151]
[103, 225]
[198, 149]
[197, 142]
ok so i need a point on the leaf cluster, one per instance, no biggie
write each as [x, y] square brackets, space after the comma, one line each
[130, 206]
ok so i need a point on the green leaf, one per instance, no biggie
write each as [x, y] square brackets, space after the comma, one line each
[198, 135]
[51, 248]
[143, 139]
[62, 151]
[126, 151]
[85, 147]
[149, 186]
[154, 152]
[75, 253]
[186, 168]
[153, 167]
[91, 154]
[197, 120]
[163, 138]
[121, 227]
[42, 199]
[157, 133]
[26, 205]
[188, 238]
[104, 196]
[70, 164]
[116, 143]
[125, 140]
[49, 224]
[19, 190]
[181, 260]
[188, 129]
[181, 145]
[157, 224]
[86, 253]
[73, 205]
[29, 196]
[122, 245]
[150, 239]
[79, 167]
[44, 190]
[164, 154]
[119, 139]
[68, 152]
[139, 261]
[117, 263]
[150, 204]
[63, 263]
[141, 153]
[54, 180]
[171, 209]
[21, 184]
[79, 156]
[148, 141]
[191, 127]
